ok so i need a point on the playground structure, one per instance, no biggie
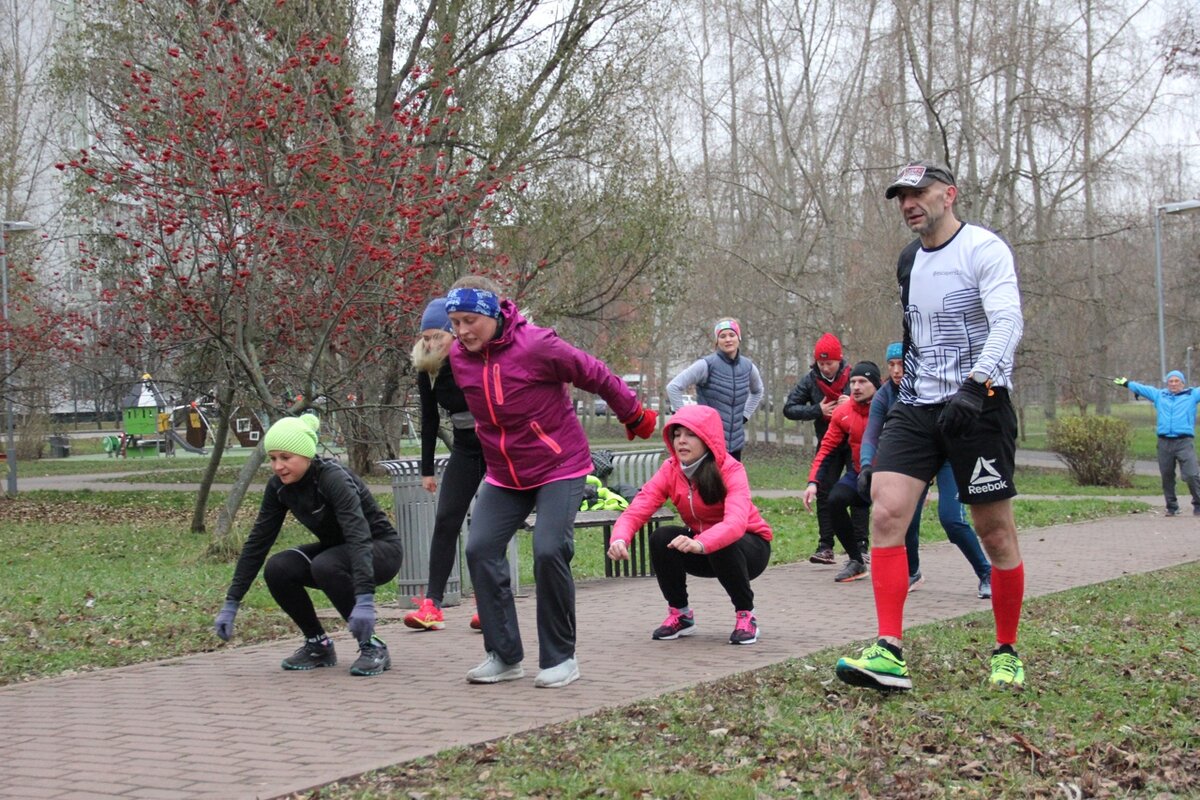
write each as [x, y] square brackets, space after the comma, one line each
[150, 421]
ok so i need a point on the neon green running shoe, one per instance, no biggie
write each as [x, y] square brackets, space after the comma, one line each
[877, 668]
[1007, 669]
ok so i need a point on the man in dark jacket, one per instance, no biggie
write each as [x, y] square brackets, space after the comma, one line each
[814, 397]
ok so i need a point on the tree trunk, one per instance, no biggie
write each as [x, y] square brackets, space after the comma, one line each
[220, 436]
[224, 543]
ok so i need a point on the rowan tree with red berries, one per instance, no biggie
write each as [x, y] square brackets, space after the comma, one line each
[249, 203]
[245, 201]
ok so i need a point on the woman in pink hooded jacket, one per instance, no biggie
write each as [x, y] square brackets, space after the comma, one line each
[514, 377]
[724, 536]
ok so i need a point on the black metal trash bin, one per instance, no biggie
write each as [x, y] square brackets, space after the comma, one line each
[60, 446]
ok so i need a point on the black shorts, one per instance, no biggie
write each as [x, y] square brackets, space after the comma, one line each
[983, 459]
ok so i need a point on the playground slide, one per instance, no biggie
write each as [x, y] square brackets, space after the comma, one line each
[182, 442]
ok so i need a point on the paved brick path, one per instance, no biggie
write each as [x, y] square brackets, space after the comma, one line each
[231, 724]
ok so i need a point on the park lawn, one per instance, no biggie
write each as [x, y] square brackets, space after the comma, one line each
[1110, 710]
[1138, 413]
[102, 579]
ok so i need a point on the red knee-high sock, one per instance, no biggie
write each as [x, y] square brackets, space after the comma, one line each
[1008, 592]
[889, 577]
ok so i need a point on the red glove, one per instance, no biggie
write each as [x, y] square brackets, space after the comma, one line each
[641, 424]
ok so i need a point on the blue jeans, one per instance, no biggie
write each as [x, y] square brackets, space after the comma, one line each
[953, 516]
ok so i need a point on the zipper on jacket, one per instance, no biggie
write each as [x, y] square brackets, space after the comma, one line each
[496, 384]
[492, 390]
[692, 506]
[541, 434]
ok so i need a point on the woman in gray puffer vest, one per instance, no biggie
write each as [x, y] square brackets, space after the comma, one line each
[725, 380]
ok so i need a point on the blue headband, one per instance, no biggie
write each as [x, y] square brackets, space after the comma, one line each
[473, 301]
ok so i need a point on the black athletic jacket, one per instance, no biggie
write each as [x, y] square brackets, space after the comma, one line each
[333, 503]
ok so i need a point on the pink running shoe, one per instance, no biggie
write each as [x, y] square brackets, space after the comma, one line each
[476, 625]
[427, 617]
[746, 630]
[675, 625]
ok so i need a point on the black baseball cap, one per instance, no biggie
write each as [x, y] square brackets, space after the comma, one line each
[918, 175]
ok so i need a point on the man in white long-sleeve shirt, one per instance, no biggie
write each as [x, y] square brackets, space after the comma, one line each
[962, 323]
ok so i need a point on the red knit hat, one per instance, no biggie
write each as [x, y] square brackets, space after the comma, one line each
[828, 348]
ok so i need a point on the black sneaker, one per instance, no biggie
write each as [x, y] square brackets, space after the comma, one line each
[372, 659]
[312, 655]
[853, 571]
[824, 555]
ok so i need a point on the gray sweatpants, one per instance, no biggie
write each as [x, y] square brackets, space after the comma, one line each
[497, 516]
[1182, 450]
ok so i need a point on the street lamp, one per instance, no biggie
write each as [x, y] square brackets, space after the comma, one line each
[10, 450]
[1165, 208]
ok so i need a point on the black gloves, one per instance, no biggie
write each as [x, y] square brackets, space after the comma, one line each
[959, 415]
[864, 482]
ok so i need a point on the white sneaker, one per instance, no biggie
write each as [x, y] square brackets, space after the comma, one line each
[558, 676]
[493, 670]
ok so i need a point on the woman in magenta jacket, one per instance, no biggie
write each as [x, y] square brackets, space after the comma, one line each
[725, 535]
[515, 378]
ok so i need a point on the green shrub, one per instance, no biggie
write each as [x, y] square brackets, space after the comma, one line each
[1095, 449]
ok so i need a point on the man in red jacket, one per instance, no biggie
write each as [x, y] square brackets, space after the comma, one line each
[848, 422]
[813, 399]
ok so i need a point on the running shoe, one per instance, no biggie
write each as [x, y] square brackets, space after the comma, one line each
[493, 670]
[312, 655]
[985, 587]
[1007, 669]
[558, 676]
[746, 629]
[675, 625]
[824, 555]
[877, 668]
[851, 572]
[373, 658]
[427, 617]
[476, 625]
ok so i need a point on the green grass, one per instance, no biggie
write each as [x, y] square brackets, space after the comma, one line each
[93, 580]
[100, 579]
[96, 579]
[1140, 415]
[1035, 481]
[1110, 711]
[776, 467]
[150, 464]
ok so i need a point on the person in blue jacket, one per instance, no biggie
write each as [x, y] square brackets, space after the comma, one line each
[1176, 409]
[951, 513]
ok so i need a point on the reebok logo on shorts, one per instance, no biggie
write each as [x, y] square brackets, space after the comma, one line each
[985, 478]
